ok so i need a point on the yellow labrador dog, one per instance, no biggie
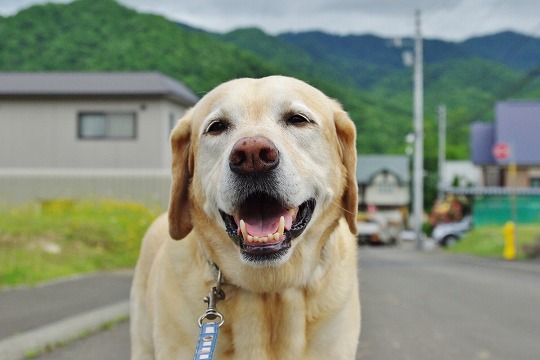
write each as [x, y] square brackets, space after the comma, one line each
[263, 189]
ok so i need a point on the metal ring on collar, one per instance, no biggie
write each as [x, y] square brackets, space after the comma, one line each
[212, 315]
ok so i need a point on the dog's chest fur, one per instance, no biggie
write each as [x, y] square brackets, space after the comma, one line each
[304, 323]
[264, 320]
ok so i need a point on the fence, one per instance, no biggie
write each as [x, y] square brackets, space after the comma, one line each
[498, 209]
[20, 186]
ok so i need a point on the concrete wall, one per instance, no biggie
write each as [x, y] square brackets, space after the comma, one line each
[150, 187]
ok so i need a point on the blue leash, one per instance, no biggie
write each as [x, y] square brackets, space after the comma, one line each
[206, 345]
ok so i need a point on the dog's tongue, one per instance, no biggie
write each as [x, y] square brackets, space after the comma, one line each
[257, 225]
[263, 218]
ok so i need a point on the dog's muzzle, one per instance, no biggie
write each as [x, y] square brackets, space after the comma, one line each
[263, 226]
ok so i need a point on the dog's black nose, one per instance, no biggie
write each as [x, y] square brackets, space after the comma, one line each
[253, 155]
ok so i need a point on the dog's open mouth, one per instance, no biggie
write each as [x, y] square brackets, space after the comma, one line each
[263, 228]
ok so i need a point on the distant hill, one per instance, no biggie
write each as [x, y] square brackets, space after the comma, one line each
[517, 51]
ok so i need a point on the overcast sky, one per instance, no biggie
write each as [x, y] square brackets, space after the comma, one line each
[443, 19]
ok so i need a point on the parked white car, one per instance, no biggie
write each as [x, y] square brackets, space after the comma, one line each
[374, 230]
[447, 234]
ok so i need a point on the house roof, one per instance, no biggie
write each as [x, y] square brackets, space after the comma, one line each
[370, 165]
[56, 84]
[517, 123]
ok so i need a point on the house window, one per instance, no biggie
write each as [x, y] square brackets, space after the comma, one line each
[386, 186]
[386, 183]
[535, 182]
[107, 126]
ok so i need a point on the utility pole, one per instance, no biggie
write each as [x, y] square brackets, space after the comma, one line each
[441, 112]
[418, 181]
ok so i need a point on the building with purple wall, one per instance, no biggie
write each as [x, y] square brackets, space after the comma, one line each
[517, 124]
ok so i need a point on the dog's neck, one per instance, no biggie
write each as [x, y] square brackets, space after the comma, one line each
[214, 268]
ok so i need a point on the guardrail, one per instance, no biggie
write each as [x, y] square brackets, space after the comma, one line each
[148, 186]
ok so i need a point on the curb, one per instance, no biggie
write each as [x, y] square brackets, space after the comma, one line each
[23, 345]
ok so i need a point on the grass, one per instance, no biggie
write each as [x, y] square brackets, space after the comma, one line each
[488, 241]
[47, 240]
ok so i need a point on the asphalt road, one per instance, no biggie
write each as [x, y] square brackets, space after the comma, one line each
[415, 306]
[434, 306]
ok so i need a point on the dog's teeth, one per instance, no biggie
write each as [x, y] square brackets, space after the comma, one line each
[278, 235]
[292, 211]
[243, 227]
[281, 228]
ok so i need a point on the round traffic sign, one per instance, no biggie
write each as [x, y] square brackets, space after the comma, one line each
[501, 151]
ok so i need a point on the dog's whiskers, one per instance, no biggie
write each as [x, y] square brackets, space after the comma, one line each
[342, 208]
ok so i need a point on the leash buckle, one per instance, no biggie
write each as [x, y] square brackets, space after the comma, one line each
[216, 294]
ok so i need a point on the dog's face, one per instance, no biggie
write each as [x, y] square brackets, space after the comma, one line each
[256, 164]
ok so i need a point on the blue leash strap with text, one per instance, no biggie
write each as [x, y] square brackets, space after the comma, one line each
[206, 345]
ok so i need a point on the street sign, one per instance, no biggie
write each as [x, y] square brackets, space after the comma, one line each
[501, 151]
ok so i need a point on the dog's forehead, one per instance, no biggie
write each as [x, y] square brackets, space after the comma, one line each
[255, 98]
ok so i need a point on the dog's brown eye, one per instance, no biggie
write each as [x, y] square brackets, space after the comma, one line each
[217, 127]
[297, 120]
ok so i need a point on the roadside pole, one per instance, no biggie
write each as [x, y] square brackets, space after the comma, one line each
[441, 114]
[504, 152]
[418, 181]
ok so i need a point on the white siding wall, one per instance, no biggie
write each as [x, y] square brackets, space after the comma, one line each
[43, 134]
[385, 190]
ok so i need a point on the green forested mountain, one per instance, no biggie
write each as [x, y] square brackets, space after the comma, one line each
[364, 72]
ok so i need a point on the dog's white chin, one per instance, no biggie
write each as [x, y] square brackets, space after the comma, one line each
[269, 263]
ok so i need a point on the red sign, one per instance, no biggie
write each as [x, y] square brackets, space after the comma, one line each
[501, 151]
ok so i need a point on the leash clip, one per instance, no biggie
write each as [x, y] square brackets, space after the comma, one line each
[216, 294]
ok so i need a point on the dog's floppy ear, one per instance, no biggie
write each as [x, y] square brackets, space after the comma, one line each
[182, 172]
[346, 133]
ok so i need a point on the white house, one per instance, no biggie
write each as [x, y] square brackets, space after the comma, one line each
[460, 173]
[383, 181]
[78, 134]
[384, 189]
